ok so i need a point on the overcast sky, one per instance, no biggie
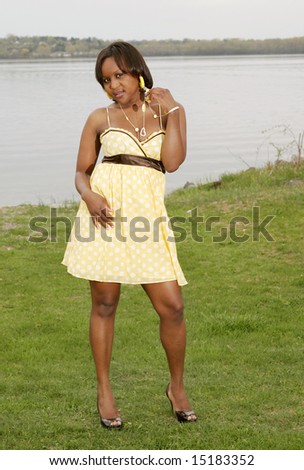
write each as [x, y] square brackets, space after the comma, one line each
[154, 19]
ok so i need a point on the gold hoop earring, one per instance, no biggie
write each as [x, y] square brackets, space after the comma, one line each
[109, 96]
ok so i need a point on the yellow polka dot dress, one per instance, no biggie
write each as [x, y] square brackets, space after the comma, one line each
[140, 248]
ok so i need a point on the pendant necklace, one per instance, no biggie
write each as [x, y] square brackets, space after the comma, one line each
[142, 132]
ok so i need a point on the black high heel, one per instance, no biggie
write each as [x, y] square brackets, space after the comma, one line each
[181, 415]
[108, 422]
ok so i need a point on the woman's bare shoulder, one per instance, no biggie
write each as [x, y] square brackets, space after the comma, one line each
[97, 120]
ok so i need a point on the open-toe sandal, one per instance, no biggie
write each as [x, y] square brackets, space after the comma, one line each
[113, 423]
[110, 423]
[181, 415]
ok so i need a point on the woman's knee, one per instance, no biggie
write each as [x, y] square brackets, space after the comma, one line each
[174, 311]
[166, 298]
[104, 307]
[104, 301]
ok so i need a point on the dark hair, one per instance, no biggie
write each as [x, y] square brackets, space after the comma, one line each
[128, 59]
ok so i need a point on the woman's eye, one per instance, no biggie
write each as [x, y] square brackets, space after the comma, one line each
[106, 80]
[119, 75]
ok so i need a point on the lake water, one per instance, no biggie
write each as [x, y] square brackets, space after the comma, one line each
[230, 102]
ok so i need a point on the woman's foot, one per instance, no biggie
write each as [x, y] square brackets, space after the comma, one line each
[180, 404]
[109, 415]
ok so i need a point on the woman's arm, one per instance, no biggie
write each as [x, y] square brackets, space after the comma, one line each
[87, 156]
[88, 152]
[174, 147]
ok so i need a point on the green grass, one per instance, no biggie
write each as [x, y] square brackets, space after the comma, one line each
[244, 313]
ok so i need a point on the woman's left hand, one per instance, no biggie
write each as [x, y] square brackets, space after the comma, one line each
[163, 97]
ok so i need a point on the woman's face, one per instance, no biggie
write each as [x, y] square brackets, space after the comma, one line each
[123, 87]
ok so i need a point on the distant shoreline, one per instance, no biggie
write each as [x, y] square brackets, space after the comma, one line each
[57, 47]
[93, 58]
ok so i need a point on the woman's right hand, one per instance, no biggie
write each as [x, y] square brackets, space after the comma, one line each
[99, 208]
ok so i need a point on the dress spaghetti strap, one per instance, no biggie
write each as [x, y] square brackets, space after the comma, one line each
[108, 117]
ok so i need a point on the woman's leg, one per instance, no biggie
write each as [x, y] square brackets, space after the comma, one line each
[105, 297]
[166, 298]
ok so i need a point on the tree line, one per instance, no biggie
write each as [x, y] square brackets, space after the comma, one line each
[40, 47]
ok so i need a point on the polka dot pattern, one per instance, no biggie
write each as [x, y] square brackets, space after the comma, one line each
[140, 248]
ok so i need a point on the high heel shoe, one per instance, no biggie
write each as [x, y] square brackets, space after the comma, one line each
[109, 422]
[181, 415]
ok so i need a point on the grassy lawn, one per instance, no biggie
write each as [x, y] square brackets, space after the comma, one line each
[244, 313]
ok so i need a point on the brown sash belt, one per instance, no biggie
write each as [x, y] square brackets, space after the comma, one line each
[135, 160]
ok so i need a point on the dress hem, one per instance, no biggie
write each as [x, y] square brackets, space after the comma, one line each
[181, 283]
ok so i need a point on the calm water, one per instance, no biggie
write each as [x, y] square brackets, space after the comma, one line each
[229, 101]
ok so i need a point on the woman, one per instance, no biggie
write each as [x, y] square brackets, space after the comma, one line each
[142, 133]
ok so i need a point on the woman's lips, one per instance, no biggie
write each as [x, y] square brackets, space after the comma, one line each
[118, 94]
